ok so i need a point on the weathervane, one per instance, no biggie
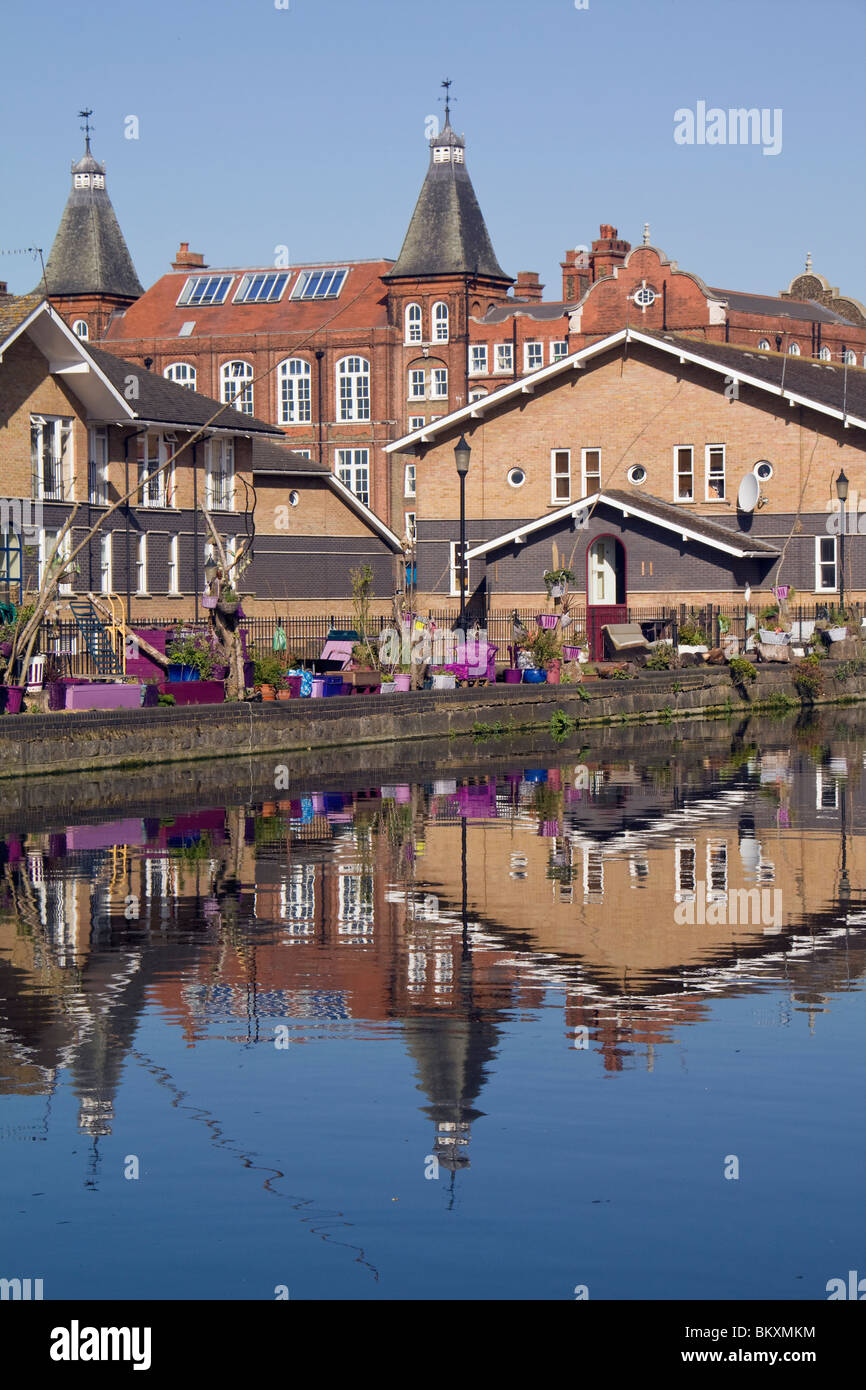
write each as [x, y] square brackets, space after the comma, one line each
[447, 85]
[85, 116]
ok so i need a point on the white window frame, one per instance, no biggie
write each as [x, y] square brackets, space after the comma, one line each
[850, 358]
[410, 480]
[439, 383]
[825, 354]
[154, 492]
[141, 564]
[820, 542]
[294, 404]
[535, 349]
[794, 350]
[353, 388]
[106, 563]
[558, 349]
[764, 345]
[557, 474]
[590, 482]
[478, 359]
[416, 422]
[717, 871]
[47, 538]
[57, 431]
[81, 330]
[453, 567]
[414, 324]
[236, 386]
[709, 450]
[97, 473]
[174, 564]
[686, 449]
[352, 467]
[182, 374]
[503, 359]
[440, 320]
[230, 546]
[220, 474]
[685, 892]
[477, 395]
[417, 378]
[409, 527]
[214, 289]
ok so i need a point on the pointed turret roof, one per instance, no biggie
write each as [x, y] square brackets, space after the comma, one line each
[447, 234]
[90, 255]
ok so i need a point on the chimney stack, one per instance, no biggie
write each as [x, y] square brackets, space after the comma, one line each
[528, 286]
[188, 260]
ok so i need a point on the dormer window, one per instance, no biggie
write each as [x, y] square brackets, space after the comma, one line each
[447, 154]
[82, 180]
[80, 329]
[98, 180]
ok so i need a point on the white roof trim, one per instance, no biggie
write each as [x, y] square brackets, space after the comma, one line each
[363, 511]
[628, 509]
[575, 360]
[77, 343]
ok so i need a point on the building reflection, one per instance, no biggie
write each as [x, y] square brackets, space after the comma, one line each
[442, 909]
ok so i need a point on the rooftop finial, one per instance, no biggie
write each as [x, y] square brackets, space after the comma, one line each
[646, 234]
[85, 116]
[808, 261]
[447, 85]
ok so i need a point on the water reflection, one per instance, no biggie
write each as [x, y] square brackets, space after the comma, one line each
[628, 895]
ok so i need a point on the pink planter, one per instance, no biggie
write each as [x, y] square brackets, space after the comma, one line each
[195, 692]
[513, 676]
[403, 680]
[548, 620]
[14, 698]
[571, 653]
[102, 696]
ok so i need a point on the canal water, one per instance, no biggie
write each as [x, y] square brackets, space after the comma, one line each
[555, 1021]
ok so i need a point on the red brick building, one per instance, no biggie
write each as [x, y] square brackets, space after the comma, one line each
[347, 357]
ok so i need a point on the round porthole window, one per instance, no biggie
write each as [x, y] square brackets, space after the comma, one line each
[763, 471]
[645, 296]
[517, 477]
[294, 498]
[637, 474]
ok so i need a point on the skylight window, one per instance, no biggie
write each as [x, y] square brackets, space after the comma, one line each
[205, 289]
[261, 287]
[319, 284]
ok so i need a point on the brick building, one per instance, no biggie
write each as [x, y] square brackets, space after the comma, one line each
[80, 427]
[348, 357]
[624, 461]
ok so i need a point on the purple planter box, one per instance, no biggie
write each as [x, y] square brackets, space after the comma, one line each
[194, 692]
[103, 697]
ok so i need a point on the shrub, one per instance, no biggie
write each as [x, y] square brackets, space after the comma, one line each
[267, 668]
[543, 645]
[662, 658]
[809, 678]
[191, 650]
[691, 634]
[742, 671]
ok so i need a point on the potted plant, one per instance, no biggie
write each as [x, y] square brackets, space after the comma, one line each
[190, 658]
[557, 581]
[228, 601]
[543, 648]
[268, 674]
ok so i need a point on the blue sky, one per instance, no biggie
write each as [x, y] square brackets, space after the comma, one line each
[261, 126]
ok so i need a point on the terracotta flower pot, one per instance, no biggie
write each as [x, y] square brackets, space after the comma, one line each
[268, 692]
[284, 695]
[553, 672]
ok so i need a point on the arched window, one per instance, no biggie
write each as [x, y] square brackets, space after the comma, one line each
[236, 379]
[80, 329]
[182, 373]
[413, 323]
[764, 345]
[794, 350]
[440, 323]
[294, 377]
[825, 354]
[851, 358]
[353, 388]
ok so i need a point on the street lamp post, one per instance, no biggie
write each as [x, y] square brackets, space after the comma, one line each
[842, 494]
[462, 453]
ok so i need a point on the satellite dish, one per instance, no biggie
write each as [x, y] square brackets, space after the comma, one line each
[749, 494]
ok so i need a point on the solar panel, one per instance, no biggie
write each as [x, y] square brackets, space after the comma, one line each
[319, 284]
[261, 287]
[205, 289]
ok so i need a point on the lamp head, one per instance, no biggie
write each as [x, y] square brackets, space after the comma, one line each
[462, 453]
[842, 487]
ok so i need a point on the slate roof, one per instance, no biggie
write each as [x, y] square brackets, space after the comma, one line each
[672, 515]
[532, 308]
[15, 309]
[90, 255]
[809, 310]
[271, 457]
[824, 383]
[164, 402]
[447, 234]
